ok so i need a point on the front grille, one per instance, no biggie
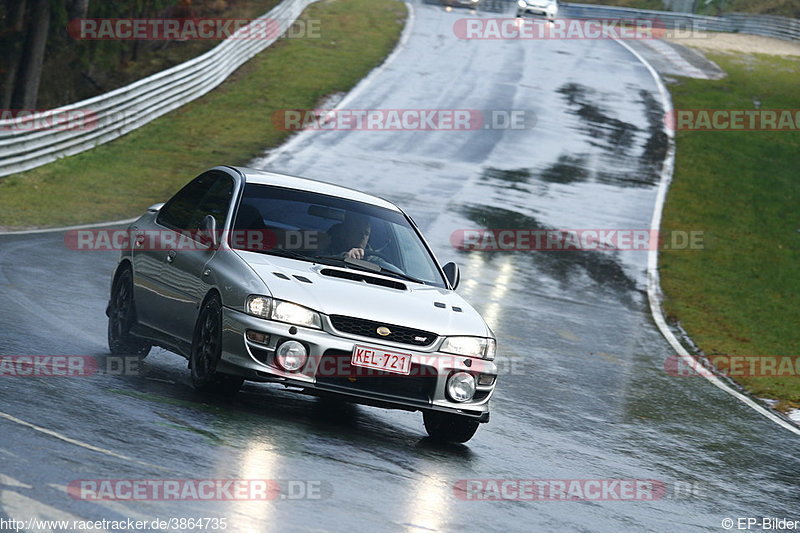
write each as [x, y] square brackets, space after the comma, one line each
[336, 372]
[369, 328]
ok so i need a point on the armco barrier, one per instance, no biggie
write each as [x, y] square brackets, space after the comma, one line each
[764, 25]
[123, 110]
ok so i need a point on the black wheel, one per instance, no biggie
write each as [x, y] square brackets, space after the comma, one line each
[122, 316]
[449, 428]
[206, 352]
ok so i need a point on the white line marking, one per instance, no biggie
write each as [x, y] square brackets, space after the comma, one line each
[69, 440]
[654, 285]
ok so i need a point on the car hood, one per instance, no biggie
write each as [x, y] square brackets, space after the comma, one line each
[417, 306]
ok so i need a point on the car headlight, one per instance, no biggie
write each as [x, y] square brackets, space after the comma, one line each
[522, 3]
[260, 306]
[470, 346]
[278, 310]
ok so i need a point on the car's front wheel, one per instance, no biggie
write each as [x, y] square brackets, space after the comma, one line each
[207, 350]
[122, 316]
[447, 427]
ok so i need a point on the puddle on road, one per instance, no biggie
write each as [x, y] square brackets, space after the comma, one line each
[568, 169]
[655, 149]
[618, 135]
[623, 165]
[511, 179]
[566, 267]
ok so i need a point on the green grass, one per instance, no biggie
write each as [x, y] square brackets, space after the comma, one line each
[230, 125]
[740, 295]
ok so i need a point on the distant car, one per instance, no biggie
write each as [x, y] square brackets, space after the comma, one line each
[547, 8]
[259, 276]
[470, 4]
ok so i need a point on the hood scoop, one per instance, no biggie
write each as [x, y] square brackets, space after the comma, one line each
[362, 277]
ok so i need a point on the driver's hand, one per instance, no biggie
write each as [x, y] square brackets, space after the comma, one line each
[355, 253]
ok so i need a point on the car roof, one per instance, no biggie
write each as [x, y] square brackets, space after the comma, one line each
[263, 177]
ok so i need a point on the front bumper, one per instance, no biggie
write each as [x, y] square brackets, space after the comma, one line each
[328, 370]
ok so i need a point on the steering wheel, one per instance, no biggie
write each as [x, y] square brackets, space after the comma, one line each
[375, 251]
[381, 261]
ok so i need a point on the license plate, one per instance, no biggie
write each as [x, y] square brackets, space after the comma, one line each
[378, 359]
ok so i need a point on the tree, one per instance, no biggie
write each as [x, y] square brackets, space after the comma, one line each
[26, 88]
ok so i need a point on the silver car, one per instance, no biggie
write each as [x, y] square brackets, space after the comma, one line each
[547, 8]
[258, 276]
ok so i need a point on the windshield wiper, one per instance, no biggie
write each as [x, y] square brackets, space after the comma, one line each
[395, 273]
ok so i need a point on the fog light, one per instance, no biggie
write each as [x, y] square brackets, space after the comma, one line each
[485, 380]
[257, 337]
[291, 355]
[461, 387]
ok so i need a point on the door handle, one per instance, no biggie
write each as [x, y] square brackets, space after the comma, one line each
[171, 256]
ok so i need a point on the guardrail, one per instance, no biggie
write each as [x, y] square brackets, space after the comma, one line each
[764, 25]
[113, 114]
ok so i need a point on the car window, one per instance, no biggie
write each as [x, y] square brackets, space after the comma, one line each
[415, 257]
[216, 203]
[208, 194]
[320, 225]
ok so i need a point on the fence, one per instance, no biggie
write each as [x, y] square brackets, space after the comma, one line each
[121, 111]
[764, 25]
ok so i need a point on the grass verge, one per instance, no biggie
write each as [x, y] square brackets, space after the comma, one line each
[740, 295]
[230, 125]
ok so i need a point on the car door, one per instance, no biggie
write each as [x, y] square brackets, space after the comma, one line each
[184, 272]
[151, 246]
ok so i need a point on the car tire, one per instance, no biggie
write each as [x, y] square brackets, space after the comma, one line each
[447, 427]
[207, 350]
[122, 317]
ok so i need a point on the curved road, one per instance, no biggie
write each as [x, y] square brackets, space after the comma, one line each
[584, 396]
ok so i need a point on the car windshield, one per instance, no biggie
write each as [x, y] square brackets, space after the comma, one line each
[317, 227]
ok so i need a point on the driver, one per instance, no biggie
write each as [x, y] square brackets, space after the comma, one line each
[349, 238]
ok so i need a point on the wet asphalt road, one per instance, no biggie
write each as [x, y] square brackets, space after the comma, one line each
[585, 395]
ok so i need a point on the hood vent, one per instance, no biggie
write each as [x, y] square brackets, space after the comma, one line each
[302, 278]
[362, 277]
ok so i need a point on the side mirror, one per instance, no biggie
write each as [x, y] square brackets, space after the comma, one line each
[155, 208]
[453, 274]
[208, 232]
